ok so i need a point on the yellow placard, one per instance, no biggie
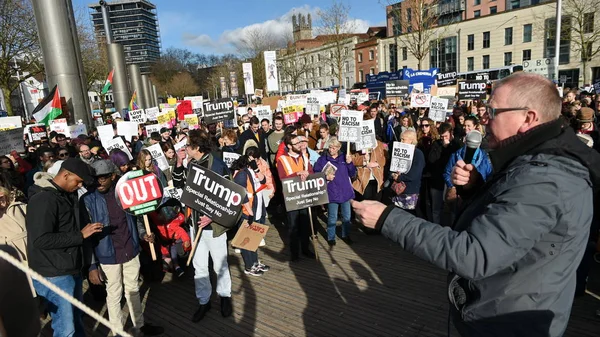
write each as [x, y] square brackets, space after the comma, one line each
[163, 118]
[192, 120]
[172, 101]
[172, 114]
[292, 108]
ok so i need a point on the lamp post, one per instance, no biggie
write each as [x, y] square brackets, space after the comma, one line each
[557, 37]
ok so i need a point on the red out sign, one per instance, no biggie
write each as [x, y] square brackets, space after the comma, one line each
[139, 193]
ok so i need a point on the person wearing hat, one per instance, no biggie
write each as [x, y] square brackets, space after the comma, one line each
[116, 249]
[165, 135]
[585, 125]
[184, 127]
[55, 243]
[308, 131]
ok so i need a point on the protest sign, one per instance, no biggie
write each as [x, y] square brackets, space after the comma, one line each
[196, 101]
[10, 122]
[437, 109]
[229, 158]
[241, 110]
[105, 133]
[172, 101]
[60, 126]
[367, 135]
[192, 120]
[138, 116]
[290, 114]
[180, 145]
[159, 156]
[116, 143]
[417, 88]
[127, 129]
[350, 125]
[37, 132]
[218, 198]
[249, 238]
[398, 88]
[446, 92]
[139, 192]
[152, 128]
[258, 93]
[597, 87]
[164, 119]
[116, 115]
[312, 105]
[77, 129]
[300, 194]
[446, 79]
[218, 110]
[472, 90]
[152, 113]
[335, 110]
[11, 140]
[184, 108]
[172, 192]
[264, 112]
[402, 156]
[420, 100]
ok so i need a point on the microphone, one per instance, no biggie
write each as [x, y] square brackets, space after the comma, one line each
[473, 141]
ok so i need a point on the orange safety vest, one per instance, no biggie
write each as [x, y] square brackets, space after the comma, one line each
[291, 165]
[249, 187]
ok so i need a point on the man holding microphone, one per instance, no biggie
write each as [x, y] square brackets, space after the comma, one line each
[516, 244]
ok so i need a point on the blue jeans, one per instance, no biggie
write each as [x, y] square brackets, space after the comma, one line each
[66, 318]
[332, 216]
[250, 258]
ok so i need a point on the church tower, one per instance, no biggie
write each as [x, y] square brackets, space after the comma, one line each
[302, 27]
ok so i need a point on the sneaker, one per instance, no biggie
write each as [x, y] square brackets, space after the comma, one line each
[348, 240]
[201, 312]
[262, 243]
[179, 272]
[331, 243]
[254, 271]
[152, 330]
[226, 308]
[237, 250]
[262, 267]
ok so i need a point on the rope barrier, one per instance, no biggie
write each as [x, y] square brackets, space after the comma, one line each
[34, 275]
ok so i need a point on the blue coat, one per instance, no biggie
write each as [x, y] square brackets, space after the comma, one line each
[97, 211]
[481, 161]
[412, 178]
[340, 188]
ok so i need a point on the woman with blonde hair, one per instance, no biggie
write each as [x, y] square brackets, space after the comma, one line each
[12, 223]
[146, 163]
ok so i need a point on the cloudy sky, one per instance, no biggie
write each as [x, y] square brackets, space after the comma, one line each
[208, 26]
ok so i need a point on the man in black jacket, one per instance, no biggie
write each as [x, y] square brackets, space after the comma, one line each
[55, 241]
[256, 134]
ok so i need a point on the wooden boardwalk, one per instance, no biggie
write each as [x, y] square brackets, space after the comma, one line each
[371, 288]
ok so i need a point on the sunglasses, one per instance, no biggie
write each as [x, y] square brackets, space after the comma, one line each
[63, 155]
[425, 125]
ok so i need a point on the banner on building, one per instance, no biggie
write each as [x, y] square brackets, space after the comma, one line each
[233, 85]
[271, 70]
[224, 93]
[248, 78]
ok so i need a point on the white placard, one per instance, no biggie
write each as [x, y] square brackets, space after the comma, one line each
[60, 126]
[152, 113]
[367, 135]
[420, 100]
[117, 143]
[77, 129]
[262, 112]
[229, 158]
[105, 133]
[312, 105]
[116, 115]
[172, 192]
[437, 110]
[417, 87]
[152, 128]
[180, 145]
[446, 92]
[127, 129]
[350, 125]
[10, 122]
[138, 116]
[402, 157]
[242, 110]
[159, 156]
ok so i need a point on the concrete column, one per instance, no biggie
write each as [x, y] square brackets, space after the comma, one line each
[135, 81]
[146, 89]
[120, 89]
[154, 95]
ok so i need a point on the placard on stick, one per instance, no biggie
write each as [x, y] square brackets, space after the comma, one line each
[218, 110]
[300, 194]
[437, 109]
[249, 238]
[350, 124]
[402, 157]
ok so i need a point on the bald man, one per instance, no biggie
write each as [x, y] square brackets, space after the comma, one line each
[514, 249]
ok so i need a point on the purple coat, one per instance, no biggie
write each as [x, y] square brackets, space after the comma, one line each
[340, 188]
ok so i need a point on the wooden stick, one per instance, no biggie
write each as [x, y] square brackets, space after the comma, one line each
[592, 294]
[347, 147]
[314, 237]
[194, 246]
[148, 232]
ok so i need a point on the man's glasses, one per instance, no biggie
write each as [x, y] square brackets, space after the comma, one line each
[492, 112]
[62, 155]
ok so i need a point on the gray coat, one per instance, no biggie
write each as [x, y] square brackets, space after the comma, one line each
[514, 249]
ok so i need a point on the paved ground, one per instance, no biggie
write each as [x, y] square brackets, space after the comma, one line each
[371, 288]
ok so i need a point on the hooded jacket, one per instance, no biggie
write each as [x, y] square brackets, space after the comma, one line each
[518, 241]
[41, 180]
[12, 228]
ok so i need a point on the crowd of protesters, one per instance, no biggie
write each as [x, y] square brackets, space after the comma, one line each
[59, 211]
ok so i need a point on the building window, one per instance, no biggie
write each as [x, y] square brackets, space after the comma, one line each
[312, 59]
[493, 10]
[319, 73]
[486, 62]
[586, 51]
[347, 66]
[508, 34]
[346, 51]
[404, 53]
[527, 31]
[514, 4]
[443, 54]
[361, 76]
[565, 41]
[319, 57]
[331, 55]
[320, 84]
[471, 42]
[507, 58]
[477, 13]
[332, 82]
[527, 55]
[359, 57]
[588, 23]
[486, 39]
[347, 82]
[409, 15]
[372, 71]
[393, 57]
[371, 55]
[476, 2]
[470, 63]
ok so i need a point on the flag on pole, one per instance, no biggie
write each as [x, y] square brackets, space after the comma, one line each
[133, 104]
[49, 108]
[108, 83]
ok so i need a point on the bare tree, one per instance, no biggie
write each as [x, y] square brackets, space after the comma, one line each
[585, 35]
[336, 27]
[415, 19]
[293, 68]
[182, 84]
[20, 53]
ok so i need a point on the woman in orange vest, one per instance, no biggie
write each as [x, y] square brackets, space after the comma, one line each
[248, 175]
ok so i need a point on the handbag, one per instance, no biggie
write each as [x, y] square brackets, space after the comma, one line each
[398, 187]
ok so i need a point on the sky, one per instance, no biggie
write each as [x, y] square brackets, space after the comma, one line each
[208, 26]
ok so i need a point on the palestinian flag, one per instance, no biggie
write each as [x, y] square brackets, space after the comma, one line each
[49, 108]
[133, 104]
[108, 83]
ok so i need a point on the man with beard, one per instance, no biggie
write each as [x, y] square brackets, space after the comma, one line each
[514, 250]
[86, 155]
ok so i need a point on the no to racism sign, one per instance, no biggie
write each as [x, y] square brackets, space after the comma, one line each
[139, 192]
[218, 110]
[300, 194]
[402, 157]
[350, 125]
[218, 198]
[437, 110]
